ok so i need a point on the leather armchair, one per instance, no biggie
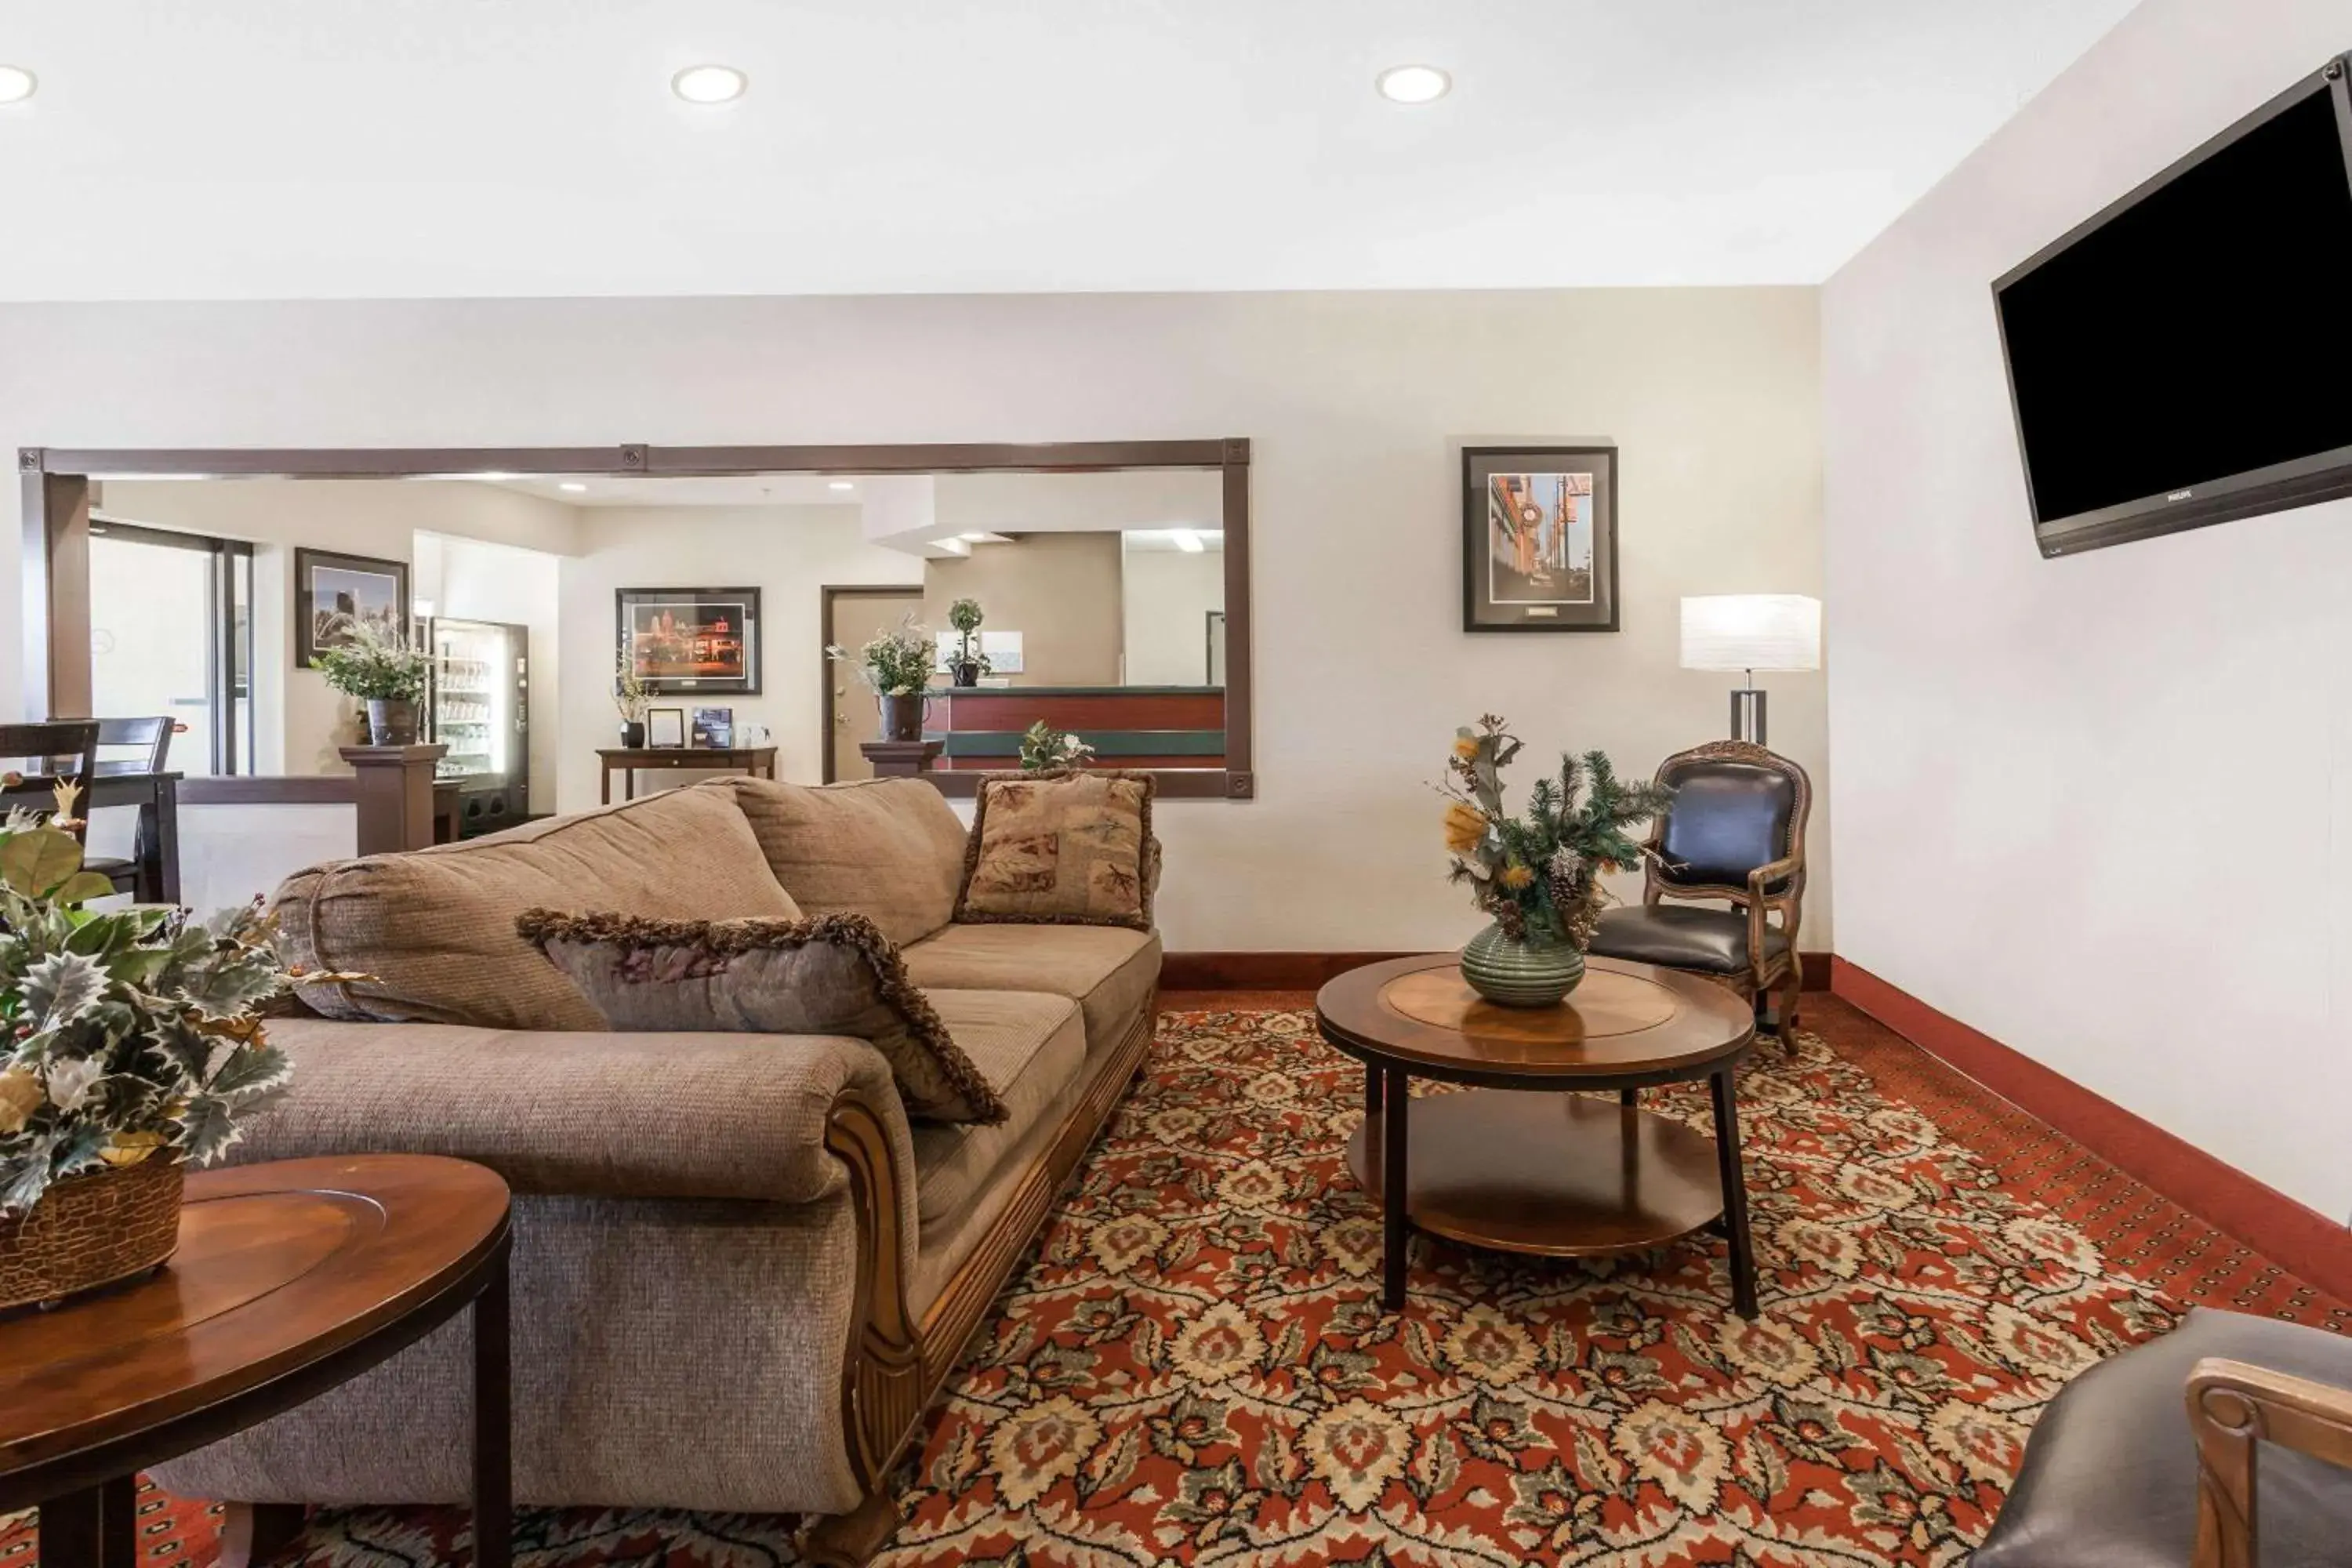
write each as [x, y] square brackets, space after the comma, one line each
[2148, 1461]
[1735, 832]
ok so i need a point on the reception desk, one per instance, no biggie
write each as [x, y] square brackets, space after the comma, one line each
[980, 728]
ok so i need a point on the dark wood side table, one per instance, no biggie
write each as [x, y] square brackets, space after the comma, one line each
[290, 1279]
[1556, 1174]
[757, 762]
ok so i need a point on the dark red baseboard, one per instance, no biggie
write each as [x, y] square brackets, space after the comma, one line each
[2292, 1236]
[1309, 971]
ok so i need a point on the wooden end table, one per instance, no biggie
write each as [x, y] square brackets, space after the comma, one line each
[290, 1279]
[753, 762]
[1555, 1175]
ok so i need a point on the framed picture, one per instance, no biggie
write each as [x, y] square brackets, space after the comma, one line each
[682, 640]
[334, 593]
[714, 728]
[666, 727]
[1539, 539]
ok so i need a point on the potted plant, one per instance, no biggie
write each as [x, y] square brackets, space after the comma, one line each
[896, 665]
[1044, 748]
[968, 664]
[632, 699]
[1538, 876]
[129, 1047]
[384, 670]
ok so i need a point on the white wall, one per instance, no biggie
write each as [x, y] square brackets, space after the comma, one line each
[2098, 808]
[1362, 668]
[788, 553]
[1169, 596]
[299, 721]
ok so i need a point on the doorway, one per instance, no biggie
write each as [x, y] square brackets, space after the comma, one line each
[852, 616]
[172, 636]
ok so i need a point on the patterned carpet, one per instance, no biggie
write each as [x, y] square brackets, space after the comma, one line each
[1193, 1369]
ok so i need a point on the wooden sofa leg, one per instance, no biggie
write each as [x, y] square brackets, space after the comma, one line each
[852, 1540]
[251, 1533]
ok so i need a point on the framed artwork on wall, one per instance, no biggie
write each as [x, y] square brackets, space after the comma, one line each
[1539, 539]
[682, 640]
[334, 593]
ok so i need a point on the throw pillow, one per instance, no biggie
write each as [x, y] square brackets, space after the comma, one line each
[1067, 847]
[832, 974]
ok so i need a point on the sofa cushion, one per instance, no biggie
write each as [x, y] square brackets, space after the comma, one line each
[829, 974]
[1070, 847]
[1111, 973]
[435, 927]
[1030, 1046]
[889, 849]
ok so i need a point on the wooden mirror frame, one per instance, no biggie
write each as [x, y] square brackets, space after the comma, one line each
[56, 484]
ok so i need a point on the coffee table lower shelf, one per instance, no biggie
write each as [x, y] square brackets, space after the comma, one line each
[1560, 1175]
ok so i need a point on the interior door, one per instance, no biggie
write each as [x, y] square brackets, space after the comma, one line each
[851, 715]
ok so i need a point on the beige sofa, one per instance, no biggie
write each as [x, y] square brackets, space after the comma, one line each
[739, 1272]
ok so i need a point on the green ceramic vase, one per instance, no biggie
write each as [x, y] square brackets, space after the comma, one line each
[1536, 973]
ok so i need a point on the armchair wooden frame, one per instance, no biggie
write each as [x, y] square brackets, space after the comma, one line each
[2234, 1408]
[1778, 886]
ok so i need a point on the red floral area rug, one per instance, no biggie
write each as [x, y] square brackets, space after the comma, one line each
[1194, 1368]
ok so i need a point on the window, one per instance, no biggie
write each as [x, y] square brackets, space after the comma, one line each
[171, 633]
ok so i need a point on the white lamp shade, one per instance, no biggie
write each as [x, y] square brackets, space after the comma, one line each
[1752, 631]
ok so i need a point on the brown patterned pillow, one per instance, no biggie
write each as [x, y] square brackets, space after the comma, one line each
[1068, 848]
[831, 975]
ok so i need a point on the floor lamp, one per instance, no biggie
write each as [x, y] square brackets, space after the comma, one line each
[1749, 632]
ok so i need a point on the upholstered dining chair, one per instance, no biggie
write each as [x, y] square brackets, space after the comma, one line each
[1734, 831]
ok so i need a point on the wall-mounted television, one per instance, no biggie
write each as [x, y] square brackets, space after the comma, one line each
[2178, 359]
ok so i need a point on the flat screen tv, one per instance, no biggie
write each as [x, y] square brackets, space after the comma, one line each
[2176, 360]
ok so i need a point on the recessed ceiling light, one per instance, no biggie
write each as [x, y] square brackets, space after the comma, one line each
[17, 84]
[1413, 84]
[709, 84]
[574, 486]
[842, 485]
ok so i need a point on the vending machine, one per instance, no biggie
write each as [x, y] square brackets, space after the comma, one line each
[478, 703]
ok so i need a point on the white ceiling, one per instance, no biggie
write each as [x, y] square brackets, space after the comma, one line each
[367, 148]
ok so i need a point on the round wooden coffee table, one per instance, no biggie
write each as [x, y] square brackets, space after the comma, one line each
[1555, 1175]
[289, 1279]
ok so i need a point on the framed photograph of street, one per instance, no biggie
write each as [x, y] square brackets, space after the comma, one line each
[691, 641]
[1539, 539]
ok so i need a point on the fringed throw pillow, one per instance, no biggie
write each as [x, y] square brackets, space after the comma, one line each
[831, 975]
[1068, 848]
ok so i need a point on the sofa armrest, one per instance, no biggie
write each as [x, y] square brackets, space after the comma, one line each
[735, 1116]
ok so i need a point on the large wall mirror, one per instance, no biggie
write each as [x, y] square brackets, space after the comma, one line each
[1112, 579]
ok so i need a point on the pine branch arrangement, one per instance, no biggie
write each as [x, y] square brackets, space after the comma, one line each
[1539, 873]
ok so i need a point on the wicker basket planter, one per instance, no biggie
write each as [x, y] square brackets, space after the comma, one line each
[89, 1231]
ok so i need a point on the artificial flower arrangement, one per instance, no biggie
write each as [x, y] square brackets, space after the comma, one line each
[372, 663]
[126, 1036]
[1538, 876]
[894, 663]
[631, 697]
[1044, 748]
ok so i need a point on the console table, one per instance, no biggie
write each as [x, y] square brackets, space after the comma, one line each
[757, 762]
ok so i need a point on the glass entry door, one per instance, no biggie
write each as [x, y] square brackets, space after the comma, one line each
[171, 633]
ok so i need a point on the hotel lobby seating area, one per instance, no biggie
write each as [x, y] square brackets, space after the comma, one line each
[1088, 787]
